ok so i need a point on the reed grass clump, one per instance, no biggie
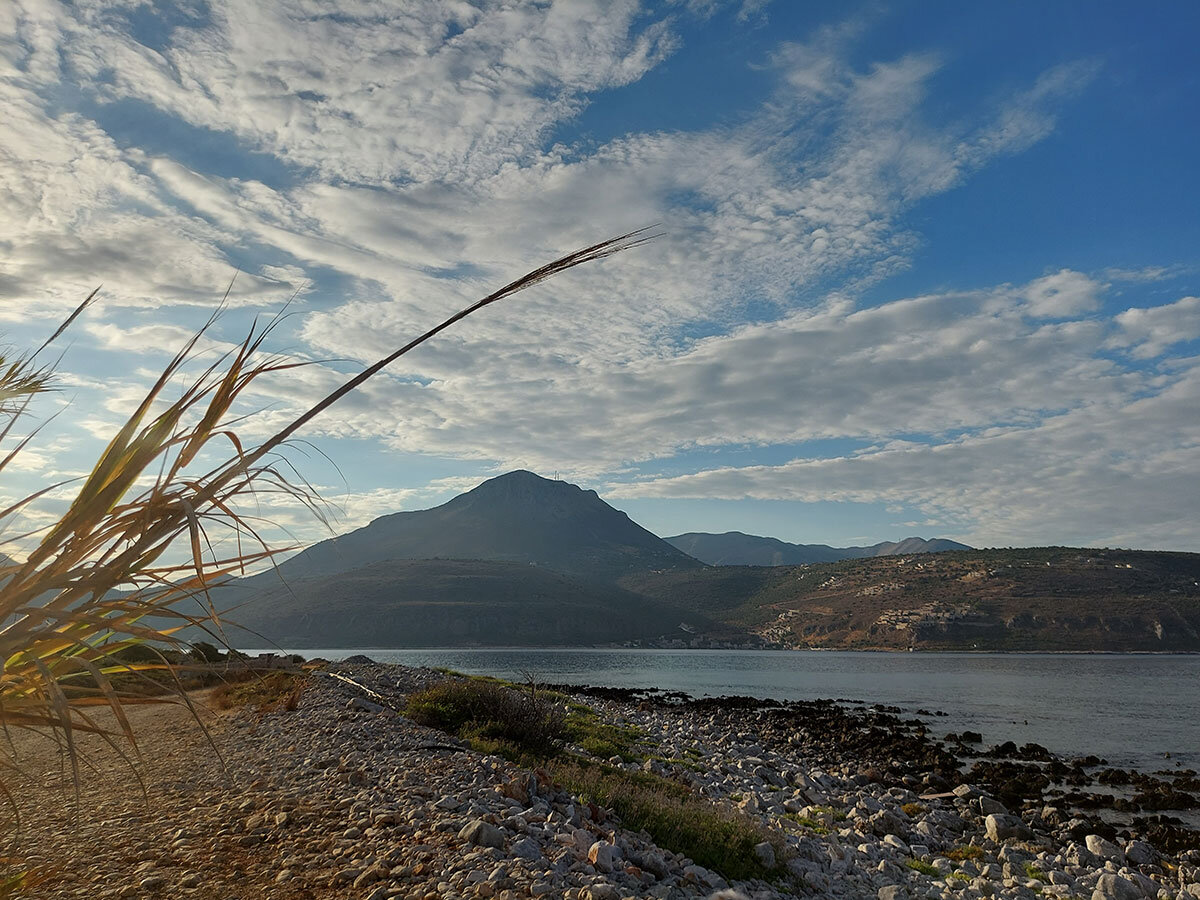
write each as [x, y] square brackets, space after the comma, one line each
[106, 575]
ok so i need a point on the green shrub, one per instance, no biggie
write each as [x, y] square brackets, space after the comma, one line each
[203, 651]
[923, 867]
[270, 691]
[603, 739]
[814, 825]
[1034, 872]
[532, 730]
[499, 719]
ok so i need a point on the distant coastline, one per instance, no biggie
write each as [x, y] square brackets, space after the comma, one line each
[305, 651]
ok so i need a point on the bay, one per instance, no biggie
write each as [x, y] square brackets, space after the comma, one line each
[1131, 709]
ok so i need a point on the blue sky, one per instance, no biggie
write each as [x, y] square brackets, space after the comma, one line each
[926, 268]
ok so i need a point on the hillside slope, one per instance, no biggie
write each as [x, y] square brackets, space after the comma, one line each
[1051, 598]
[442, 603]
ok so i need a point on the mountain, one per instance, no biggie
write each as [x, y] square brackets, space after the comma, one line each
[733, 548]
[518, 517]
[1039, 598]
[525, 561]
[520, 560]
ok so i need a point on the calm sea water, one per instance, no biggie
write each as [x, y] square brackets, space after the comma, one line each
[1129, 708]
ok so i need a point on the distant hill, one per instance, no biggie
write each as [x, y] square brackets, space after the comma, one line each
[1046, 598]
[733, 548]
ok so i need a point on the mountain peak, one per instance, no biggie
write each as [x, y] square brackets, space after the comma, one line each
[523, 479]
[522, 494]
[517, 517]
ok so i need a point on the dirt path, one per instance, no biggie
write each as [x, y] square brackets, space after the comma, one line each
[115, 838]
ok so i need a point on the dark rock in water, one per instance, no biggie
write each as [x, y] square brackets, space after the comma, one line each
[1162, 796]
[971, 737]
[1012, 783]
[1034, 752]
[1167, 834]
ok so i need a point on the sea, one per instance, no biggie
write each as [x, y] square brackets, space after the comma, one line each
[1134, 710]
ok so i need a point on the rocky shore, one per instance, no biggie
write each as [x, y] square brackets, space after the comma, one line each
[345, 798]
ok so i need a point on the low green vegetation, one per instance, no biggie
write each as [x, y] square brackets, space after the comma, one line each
[918, 865]
[672, 815]
[1034, 872]
[535, 728]
[814, 825]
[914, 810]
[678, 761]
[603, 739]
[494, 717]
[836, 815]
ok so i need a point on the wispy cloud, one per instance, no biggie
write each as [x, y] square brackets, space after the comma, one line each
[407, 162]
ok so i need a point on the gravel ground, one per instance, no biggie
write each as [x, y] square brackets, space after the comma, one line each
[343, 798]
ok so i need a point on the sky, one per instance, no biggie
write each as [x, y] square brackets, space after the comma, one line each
[924, 268]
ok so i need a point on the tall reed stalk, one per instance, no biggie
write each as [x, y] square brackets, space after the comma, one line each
[100, 579]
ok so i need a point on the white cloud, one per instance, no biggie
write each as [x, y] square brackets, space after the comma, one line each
[928, 365]
[1030, 115]
[415, 168]
[370, 92]
[1062, 295]
[76, 212]
[1148, 333]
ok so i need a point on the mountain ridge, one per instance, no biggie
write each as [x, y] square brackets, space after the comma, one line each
[735, 548]
[566, 569]
[1011, 599]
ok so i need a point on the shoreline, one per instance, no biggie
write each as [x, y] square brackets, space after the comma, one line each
[951, 692]
[352, 651]
[862, 801]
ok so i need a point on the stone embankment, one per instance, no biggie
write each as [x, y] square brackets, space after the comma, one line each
[344, 798]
